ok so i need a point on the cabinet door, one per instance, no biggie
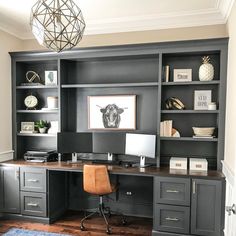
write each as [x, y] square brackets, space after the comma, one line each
[10, 201]
[206, 208]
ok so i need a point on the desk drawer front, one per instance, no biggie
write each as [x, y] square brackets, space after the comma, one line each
[172, 191]
[172, 218]
[33, 204]
[33, 179]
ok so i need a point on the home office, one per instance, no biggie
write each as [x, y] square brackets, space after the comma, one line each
[90, 83]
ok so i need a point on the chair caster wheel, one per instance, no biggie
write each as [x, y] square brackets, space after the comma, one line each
[82, 228]
[124, 222]
[108, 230]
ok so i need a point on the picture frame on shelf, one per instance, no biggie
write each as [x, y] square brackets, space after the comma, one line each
[50, 77]
[27, 127]
[202, 98]
[182, 75]
[112, 112]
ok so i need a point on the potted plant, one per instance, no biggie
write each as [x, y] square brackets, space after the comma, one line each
[42, 126]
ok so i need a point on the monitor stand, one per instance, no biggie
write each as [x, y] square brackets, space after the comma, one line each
[142, 162]
[110, 157]
[74, 157]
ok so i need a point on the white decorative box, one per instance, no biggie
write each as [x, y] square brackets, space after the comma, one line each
[178, 163]
[200, 164]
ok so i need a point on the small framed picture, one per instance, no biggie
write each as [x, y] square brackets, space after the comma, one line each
[114, 112]
[51, 77]
[201, 99]
[27, 127]
[182, 75]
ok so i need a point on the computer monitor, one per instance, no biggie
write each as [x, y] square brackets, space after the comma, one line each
[72, 142]
[142, 145]
[109, 142]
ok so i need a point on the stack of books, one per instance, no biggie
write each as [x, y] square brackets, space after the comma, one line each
[166, 128]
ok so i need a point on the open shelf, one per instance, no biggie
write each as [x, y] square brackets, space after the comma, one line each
[37, 111]
[37, 135]
[189, 139]
[115, 85]
[191, 83]
[36, 87]
[190, 111]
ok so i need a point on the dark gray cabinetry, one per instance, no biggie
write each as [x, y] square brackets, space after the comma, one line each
[172, 218]
[206, 207]
[33, 190]
[172, 206]
[10, 194]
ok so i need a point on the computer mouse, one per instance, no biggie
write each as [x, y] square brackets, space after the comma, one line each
[127, 165]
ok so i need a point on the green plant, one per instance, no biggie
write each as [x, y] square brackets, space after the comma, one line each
[41, 124]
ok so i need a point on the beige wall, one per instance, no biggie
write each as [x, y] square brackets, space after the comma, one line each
[7, 43]
[204, 32]
[230, 139]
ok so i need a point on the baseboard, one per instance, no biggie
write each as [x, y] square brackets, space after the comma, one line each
[6, 156]
[158, 233]
[9, 216]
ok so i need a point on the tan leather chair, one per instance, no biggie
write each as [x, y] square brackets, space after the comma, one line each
[96, 181]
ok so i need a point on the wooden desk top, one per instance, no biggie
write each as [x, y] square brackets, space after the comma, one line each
[115, 169]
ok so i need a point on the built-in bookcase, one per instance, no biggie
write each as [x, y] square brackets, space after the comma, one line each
[131, 69]
[27, 141]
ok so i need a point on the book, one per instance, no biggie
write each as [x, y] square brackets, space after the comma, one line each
[166, 73]
[205, 136]
[166, 128]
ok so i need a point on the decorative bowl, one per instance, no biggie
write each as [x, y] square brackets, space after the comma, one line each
[203, 131]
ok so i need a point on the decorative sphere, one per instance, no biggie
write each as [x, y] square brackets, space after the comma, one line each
[57, 24]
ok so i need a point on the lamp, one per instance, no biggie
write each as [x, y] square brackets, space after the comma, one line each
[57, 24]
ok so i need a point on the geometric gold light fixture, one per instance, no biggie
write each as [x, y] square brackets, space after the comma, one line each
[57, 24]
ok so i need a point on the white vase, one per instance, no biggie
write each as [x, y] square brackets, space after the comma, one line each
[206, 71]
[42, 130]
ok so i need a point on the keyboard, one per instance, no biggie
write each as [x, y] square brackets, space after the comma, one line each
[106, 162]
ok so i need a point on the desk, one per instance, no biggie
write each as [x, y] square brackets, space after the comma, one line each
[41, 190]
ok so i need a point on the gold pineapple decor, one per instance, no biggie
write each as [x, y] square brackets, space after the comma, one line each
[206, 70]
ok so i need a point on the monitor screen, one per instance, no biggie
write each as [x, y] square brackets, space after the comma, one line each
[72, 142]
[140, 145]
[109, 142]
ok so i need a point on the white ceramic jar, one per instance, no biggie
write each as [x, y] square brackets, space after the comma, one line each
[52, 102]
[212, 106]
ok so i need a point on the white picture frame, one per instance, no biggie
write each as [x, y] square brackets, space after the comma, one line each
[123, 108]
[27, 127]
[201, 99]
[182, 75]
[50, 77]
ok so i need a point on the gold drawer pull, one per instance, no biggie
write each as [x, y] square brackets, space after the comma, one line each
[33, 180]
[33, 204]
[172, 219]
[172, 191]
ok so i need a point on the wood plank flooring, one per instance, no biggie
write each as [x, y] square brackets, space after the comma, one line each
[70, 224]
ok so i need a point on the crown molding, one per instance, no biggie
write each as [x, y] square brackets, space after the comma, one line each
[225, 7]
[211, 16]
[155, 22]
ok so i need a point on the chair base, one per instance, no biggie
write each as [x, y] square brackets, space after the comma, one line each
[102, 211]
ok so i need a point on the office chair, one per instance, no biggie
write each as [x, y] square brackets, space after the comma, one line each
[96, 181]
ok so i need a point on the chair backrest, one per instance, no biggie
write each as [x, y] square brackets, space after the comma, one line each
[96, 179]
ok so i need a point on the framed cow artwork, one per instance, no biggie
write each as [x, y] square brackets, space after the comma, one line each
[112, 112]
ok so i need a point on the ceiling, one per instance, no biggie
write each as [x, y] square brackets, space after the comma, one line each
[112, 16]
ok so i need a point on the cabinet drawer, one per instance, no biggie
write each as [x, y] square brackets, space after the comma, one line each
[33, 179]
[171, 218]
[174, 191]
[33, 204]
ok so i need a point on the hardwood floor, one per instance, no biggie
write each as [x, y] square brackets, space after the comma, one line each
[70, 224]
